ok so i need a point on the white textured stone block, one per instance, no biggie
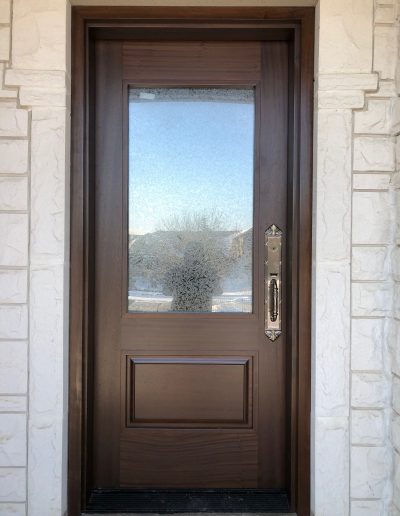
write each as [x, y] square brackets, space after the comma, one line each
[345, 44]
[397, 80]
[13, 193]
[385, 51]
[396, 394]
[347, 82]
[331, 466]
[35, 78]
[396, 484]
[395, 180]
[8, 94]
[332, 340]
[368, 427]
[45, 475]
[12, 484]
[12, 440]
[46, 24]
[396, 431]
[397, 220]
[340, 99]
[367, 508]
[9, 103]
[372, 218]
[13, 239]
[370, 470]
[13, 122]
[394, 343]
[43, 97]
[14, 156]
[4, 43]
[395, 115]
[371, 299]
[376, 119]
[2, 67]
[379, 181]
[13, 322]
[397, 300]
[367, 340]
[369, 390]
[395, 511]
[395, 262]
[12, 403]
[46, 327]
[13, 367]
[46, 386]
[387, 89]
[48, 180]
[370, 263]
[374, 154]
[5, 93]
[12, 509]
[397, 151]
[13, 286]
[385, 14]
[5, 15]
[333, 210]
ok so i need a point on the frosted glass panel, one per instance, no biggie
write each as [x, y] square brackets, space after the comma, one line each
[191, 154]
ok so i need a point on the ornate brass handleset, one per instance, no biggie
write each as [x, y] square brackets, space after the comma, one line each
[273, 280]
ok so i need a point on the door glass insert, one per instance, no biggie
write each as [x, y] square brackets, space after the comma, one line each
[190, 213]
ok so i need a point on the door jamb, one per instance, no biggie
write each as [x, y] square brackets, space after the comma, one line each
[89, 23]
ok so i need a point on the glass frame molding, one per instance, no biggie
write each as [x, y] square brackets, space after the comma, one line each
[218, 89]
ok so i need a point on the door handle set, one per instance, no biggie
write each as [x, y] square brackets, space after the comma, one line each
[273, 282]
[273, 299]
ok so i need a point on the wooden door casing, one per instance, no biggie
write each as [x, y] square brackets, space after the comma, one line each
[298, 22]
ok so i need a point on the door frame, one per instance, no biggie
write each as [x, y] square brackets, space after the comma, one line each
[292, 23]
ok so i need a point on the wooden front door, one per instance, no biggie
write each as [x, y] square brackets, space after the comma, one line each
[191, 170]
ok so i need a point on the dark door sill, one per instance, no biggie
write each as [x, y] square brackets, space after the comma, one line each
[170, 501]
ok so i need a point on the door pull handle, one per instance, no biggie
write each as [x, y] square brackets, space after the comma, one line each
[272, 282]
[274, 294]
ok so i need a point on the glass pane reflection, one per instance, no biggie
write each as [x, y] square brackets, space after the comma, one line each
[190, 199]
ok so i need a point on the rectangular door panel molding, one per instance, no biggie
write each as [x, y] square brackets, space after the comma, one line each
[189, 391]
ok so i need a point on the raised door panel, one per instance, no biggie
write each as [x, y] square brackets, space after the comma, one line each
[203, 392]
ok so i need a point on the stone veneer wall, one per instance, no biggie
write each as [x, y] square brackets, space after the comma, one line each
[34, 172]
[357, 118]
[356, 257]
[395, 268]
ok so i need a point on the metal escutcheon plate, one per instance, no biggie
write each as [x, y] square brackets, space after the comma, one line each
[273, 282]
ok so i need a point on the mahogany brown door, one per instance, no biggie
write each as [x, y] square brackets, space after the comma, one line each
[191, 160]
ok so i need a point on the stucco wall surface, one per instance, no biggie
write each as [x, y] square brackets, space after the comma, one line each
[356, 315]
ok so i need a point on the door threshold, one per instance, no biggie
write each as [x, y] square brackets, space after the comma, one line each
[187, 501]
